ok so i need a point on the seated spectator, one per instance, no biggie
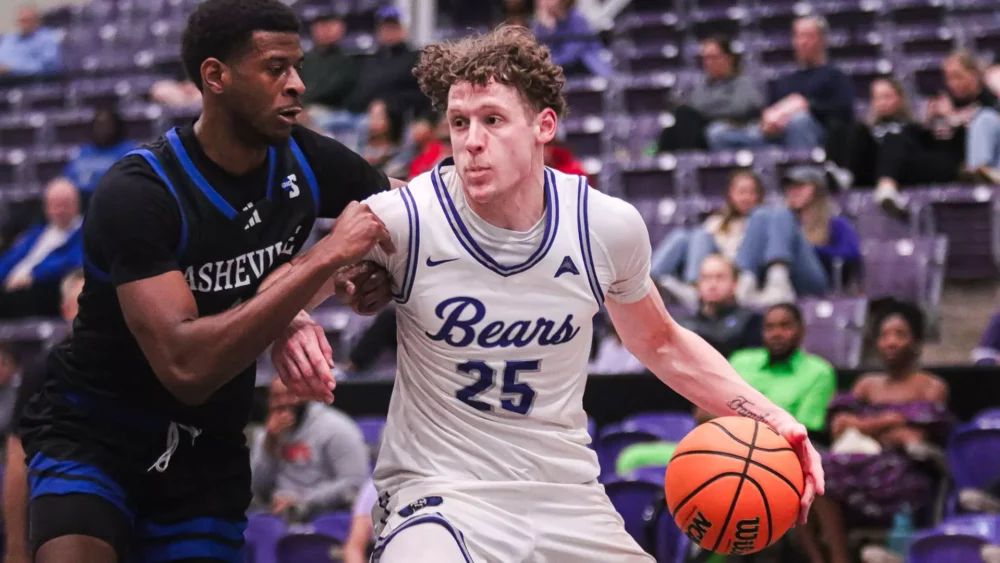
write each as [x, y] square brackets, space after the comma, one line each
[357, 548]
[376, 345]
[611, 357]
[724, 324]
[570, 38]
[797, 248]
[329, 74]
[804, 105]
[434, 151]
[793, 379]
[15, 478]
[32, 49]
[34, 265]
[892, 150]
[679, 254]
[309, 458]
[517, 12]
[988, 351]
[388, 74]
[383, 146]
[725, 99]
[108, 144]
[878, 430]
[965, 119]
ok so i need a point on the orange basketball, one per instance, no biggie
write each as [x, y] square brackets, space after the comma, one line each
[733, 485]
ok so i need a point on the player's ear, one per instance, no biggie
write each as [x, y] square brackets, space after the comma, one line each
[546, 124]
[213, 75]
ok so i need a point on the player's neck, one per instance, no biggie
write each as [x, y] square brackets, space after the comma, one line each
[520, 210]
[222, 144]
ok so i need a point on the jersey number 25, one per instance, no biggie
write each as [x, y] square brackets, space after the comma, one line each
[515, 396]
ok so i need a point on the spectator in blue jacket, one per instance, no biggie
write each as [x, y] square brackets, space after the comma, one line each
[805, 104]
[107, 146]
[568, 35]
[33, 267]
[797, 248]
[32, 49]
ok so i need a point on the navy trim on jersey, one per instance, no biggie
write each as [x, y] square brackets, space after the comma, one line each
[158, 168]
[192, 171]
[48, 476]
[469, 243]
[435, 518]
[204, 537]
[413, 246]
[307, 170]
[98, 273]
[583, 230]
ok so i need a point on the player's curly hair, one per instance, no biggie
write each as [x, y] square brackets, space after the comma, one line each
[508, 55]
[222, 29]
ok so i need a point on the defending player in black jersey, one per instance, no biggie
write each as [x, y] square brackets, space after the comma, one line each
[135, 442]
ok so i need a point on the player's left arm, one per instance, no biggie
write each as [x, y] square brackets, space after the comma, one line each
[677, 356]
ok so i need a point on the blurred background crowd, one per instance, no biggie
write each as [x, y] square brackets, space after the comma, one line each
[820, 184]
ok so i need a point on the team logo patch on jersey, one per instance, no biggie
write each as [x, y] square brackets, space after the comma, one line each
[289, 185]
[420, 504]
[567, 267]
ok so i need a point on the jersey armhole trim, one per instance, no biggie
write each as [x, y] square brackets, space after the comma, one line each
[192, 171]
[307, 170]
[435, 518]
[412, 247]
[583, 230]
[158, 168]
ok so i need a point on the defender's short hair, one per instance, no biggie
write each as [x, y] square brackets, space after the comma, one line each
[222, 29]
[508, 55]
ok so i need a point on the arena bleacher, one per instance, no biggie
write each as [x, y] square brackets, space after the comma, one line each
[115, 50]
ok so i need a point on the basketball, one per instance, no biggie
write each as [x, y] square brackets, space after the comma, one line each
[733, 485]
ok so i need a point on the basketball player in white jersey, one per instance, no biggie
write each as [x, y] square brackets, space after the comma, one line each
[501, 263]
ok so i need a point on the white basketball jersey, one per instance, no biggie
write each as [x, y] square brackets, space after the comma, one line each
[492, 356]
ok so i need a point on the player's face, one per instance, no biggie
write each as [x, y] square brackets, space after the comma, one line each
[782, 333]
[497, 141]
[895, 341]
[264, 91]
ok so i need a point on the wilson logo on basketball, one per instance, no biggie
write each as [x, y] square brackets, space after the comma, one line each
[698, 528]
[746, 536]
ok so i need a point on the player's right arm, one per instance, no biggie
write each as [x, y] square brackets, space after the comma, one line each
[130, 229]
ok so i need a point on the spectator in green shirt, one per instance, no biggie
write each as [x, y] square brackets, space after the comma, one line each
[795, 380]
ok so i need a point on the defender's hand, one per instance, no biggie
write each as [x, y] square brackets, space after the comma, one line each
[365, 287]
[304, 360]
[354, 234]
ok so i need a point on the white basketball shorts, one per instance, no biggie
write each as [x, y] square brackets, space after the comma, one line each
[502, 522]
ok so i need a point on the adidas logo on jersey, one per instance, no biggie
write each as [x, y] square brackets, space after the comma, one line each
[254, 217]
[567, 267]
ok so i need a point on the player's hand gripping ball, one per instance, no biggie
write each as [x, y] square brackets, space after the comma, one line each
[733, 485]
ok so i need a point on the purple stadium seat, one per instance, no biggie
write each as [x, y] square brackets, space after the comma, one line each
[649, 93]
[613, 438]
[72, 127]
[371, 428]
[13, 169]
[22, 129]
[985, 526]
[936, 547]
[655, 57]
[592, 429]
[651, 474]
[725, 20]
[908, 12]
[712, 170]
[585, 95]
[648, 28]
[834, 329]
[924, 40]
[974, 457]
[337, 525]
[673, 425]
[50, 162]
[671, 544]
[989, 418]
[640, 133]
[262, 536]
[910, 269]
[142, 121]
[649, 178]
[632, 498]
[872, 223]
[583, 135]
[968, 217]
[308, 548]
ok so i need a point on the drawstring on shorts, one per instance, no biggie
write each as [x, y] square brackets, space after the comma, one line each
[173, 438]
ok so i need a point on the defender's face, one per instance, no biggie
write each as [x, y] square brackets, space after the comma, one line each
[495, 138]
[265, 89]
